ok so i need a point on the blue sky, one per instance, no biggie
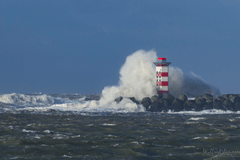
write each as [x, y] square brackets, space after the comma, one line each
[71, 46]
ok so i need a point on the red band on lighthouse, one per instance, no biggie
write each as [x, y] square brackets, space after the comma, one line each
[163, 59]
[164, 83]
[164, 74]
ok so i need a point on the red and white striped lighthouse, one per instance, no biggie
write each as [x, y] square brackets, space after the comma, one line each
[162, 75]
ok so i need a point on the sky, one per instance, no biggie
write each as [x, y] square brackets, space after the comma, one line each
[72, 46]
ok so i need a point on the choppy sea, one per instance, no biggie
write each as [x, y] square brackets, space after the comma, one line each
[68, 126]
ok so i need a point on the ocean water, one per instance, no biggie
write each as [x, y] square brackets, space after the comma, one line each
[75, 126]
[66, 126]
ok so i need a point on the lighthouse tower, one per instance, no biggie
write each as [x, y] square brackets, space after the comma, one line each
[162, 75]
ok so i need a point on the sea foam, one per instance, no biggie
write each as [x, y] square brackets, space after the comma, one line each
[23, 99]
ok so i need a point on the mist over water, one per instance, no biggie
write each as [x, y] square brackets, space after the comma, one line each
[137, 79]
[191, 85]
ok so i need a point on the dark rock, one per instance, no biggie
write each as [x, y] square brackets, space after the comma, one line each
[207, 106]
[237, 106]
[182, 97]
[207, 96]
[154, 98]
[200, 101]
[134, 100]
[146, 102]
[218, 105]
[198, 108]
[155, 107]
[160, 96]
[161, 100]
[166, 105]
[225, 96]
[209, 101]
[169, 97]
[228, 105]
[177, 105]
[220, 98]
[189, 105]
[119, 99]
[234, 98]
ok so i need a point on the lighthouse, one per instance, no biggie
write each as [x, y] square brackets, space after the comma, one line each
[162, 75]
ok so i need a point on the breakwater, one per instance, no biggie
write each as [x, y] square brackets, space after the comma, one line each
[182, 103]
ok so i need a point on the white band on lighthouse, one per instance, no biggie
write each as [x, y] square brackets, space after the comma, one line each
[164, 88]
[164, 78]
[162, 75]
[163, 68]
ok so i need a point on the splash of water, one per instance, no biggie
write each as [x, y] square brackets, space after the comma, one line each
[137, 77]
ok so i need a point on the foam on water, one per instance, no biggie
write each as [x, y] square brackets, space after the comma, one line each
[126, 105]
[26, 100]
[137, 79]
[197, 118]
[108, 124]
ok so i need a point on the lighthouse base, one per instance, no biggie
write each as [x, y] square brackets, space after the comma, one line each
[161, 93]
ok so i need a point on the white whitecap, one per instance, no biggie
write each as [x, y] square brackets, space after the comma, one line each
[197, 118]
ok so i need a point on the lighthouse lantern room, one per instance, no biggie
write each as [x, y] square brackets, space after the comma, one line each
[162, 75]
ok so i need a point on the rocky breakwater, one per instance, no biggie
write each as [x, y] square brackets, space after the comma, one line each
[182, 103]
